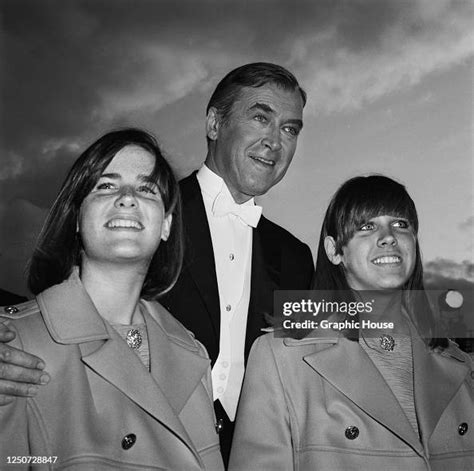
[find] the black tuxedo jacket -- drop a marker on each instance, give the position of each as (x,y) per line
(279,261)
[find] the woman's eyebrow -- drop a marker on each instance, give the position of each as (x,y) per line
(146,178)
(114,176)
(117,176)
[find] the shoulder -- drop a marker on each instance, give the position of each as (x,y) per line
(270,230)
(453,351)
(285,349)
(26,320)
(174,330)
(19,311)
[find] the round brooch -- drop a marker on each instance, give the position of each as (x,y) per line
(134,338)
(387,342)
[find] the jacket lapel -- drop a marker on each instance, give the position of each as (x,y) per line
(348,368)
(431,370)
(265,279)
(199,254)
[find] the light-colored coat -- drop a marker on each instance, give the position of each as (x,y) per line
(300,397)
(100,392)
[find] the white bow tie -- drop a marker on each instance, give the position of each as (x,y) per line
(224,204)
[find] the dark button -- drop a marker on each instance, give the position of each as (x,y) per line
(10,309)
(128,441)
(462,429)
(352,432)
(219,425)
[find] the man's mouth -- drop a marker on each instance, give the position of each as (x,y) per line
(262,160)
(124,224)
(387,260)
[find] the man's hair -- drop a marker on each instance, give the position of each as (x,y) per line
(356,202)
(59,246)
(250,75)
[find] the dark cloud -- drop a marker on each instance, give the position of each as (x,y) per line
(73,69)
(21,224)
(442,268)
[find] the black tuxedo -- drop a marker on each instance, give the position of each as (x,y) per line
(279,261)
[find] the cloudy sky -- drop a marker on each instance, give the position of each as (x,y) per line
(389,82)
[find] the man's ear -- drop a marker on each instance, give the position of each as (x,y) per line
(166,227)
(330,248)
(212,123)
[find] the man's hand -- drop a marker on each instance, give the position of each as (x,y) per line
(20,372)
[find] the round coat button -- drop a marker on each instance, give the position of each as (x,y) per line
(462,429)
(10,309)
(128,441)
(352,432)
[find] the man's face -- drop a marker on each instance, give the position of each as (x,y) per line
(255,145)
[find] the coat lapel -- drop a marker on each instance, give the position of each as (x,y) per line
(120,367)
(265,279)
(187,362)
(199,254)
(431,370)
(348,368)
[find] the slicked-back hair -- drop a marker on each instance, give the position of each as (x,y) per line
(253,75)
(356,202)
(59,246)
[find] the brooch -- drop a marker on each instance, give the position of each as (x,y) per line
(387,342)
(134,338)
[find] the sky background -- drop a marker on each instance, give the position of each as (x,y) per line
(389,83)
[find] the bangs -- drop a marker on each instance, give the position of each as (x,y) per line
(364,198)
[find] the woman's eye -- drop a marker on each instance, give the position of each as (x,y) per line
(147,189)
(401,224)
(367,226)
(105,186)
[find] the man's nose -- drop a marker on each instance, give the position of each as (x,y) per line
(273,139)
(126,198)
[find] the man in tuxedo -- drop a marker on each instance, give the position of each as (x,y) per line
(234,257)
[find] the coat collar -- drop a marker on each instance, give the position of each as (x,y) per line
(177,364)
(70,314)
(345,365)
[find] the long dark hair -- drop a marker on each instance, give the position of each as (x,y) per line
(59,247)
(355,203)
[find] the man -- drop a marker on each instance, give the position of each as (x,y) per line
(234,257)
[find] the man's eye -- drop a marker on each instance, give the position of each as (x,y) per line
(260,117)
(367,226)
(292,130)
(105,186)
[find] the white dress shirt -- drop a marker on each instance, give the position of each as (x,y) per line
(232,245)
